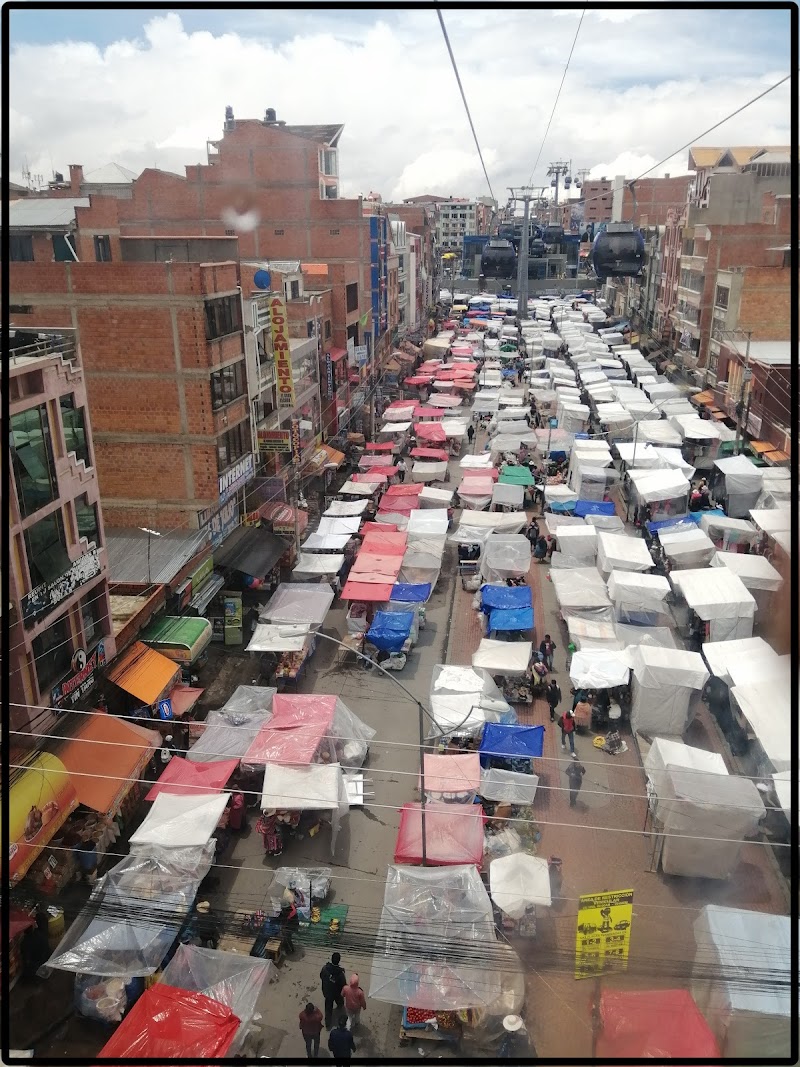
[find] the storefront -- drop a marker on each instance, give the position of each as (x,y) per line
(144,681)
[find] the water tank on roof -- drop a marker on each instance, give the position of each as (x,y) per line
(270,115)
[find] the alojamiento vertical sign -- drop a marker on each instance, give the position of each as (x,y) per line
(283,354)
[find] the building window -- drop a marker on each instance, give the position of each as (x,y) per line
(721,297)
(310,328)
(20,248)
(334,233)
(92,618)
(327,328)
(223,316)
(351,295)
(74,423)
(688,248)
(32,454)
(233,445)
(102,249)
(46,548)
(61,249)
(294,290)
(86,516)
(228,384)
(52,652)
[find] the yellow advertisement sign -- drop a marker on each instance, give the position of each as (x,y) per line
(40,801)
(634,339)
(283,355)
(604,932)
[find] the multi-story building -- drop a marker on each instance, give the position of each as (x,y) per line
(419,219)
(647,202)
(399,248)
(456,219)
(597,195)
(755,387)
(60,615)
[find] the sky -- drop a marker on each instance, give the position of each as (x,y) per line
(147,87)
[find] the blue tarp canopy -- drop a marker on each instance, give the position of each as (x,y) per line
(505,596)
(507,372)
(695,516)
(594,507)
(411,594)
(558,507)
(511,619)
(683,523)
(390,630)
(511,742)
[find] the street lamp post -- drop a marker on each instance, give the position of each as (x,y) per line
(150,535)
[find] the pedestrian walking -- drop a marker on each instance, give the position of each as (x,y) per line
(341,1043)
(354,1001)
(553,694)
(470,433)
(401,469)
(575,773)
(540,549)
(547,649)
(311,1028)
(567,724)
(333,982)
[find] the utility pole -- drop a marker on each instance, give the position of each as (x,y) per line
(526,195)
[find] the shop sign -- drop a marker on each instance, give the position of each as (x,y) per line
(223,522)
(77,684)
(41,600)
(233,618)
(604,932)
(165,711)
(329,375)
(297,446)
(204,571)
(283,355)
(361,353)
(239,474)
(274,441)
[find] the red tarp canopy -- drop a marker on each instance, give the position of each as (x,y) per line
(430,453)
(657,1024)
(430,431)
(398,505)
(377,527)
(373,563)
(400,405)
(429,413)
(374,477)
(459,773)
(385,543)
(183,698)
(363,591)
(373,446)
(380,461)
(453,834)
(418,379)
(404,489)
(166,1022)
(182,777)
(293,734)
(476,487)
(480,472)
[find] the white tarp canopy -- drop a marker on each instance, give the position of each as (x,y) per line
(518,882)
(743,482)
(505,556)
(729,531)
(436,498)
(687,546)
(176,821)
(720,655)
(503,657)
(515,787)
(750,1015)
(659,432)
(454,427)
(317,787)
(476,462)
(772,520)
(423,471)
(491,521)
(618,552)
(665,753)
(578,542)
(630,587)
(663,682)
(269,637)
(298,602)
(766,705)
(719,597)
(317,542)
(651,486)
(639,455)
(463,699)
(316,564)
(599,669)
(357,489)
(561,494)
(761,667)
(579,587)
(426,911)
(756,572)
(395,427)
(693,428)
(342,509)
(428,521)
(338,526)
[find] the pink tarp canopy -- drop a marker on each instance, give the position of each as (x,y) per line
(480,472)
(430,453)
(181,777)
(293,734)
(404,489)
(183,698)
(399,505)
(429,413)
(453,834)
(373,446)
(380,564)
(657,1024)
(430,431)
(377,527)
(464,383)
(365,591)
(375,461)
(418,379)
(400,405)
(385,543)
(452,775)
(476,487)
(376,477)
(429,365)
(445,400)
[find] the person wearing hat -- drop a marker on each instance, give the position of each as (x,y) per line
(288,919)
(167,751)
(206,926)
(516,1043)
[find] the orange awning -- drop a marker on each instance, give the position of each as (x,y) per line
(761,446)
(144,673)
(776,456)
(702,398)
(104,759)
(326,458)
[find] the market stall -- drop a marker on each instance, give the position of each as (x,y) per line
(298,798)
(519,884)
(757,574)
(228,731)
(738,483)
(580,590)
(475,492)
(317,566)
(511,747)
(720,606)
(310,728)
(298,603)
(462,700)
(658,1024)
(453,835)
(659,494)
(616,552)
(509,659)
(754,651)
(640,599)
(662,686)
(453,778)
(686,547)
(505,556)
(577,546)
(729,535)
(765,708)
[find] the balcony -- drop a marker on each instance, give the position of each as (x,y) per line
(36,344)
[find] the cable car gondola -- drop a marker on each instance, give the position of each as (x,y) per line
(499,259)
(618,251)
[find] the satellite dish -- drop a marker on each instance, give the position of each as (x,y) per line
(262,279)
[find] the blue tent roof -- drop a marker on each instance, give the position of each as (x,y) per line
(505,596)
(390,630)
(411,594)
(594,507)
(685,522)
(511,619)
(560,506)
(514,741)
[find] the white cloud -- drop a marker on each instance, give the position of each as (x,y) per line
(626,99)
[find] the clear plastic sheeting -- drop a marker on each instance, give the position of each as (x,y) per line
(463,700)
(510,658)
(505,556)
(519,882)
(180,821)
(226,977)
(318,787)
(453,835)
(307,884)
(477,525)
(634,593)
(578,542)
(286,638)
(663,682)
(665,755)
(508,495)
(428,521)
(750,1015)
(437,908)
(599,669)
(342,509)
(317,565)
(299,603)
(107,940)
(229,732)
(725,531)
(621,553)
(310,727)
(651,486)
(515,787)
(579,588)
(719,597)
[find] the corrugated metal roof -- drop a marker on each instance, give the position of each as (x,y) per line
(701,156)
(127,554)
(328,134)
(46,211)
(110,174)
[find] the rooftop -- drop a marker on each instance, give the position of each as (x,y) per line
(110,174)
(327,134)
(56,212)
(767,353)
(169,552)
(701,157)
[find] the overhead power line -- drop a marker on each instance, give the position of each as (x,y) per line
(464,99)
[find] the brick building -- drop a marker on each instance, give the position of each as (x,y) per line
(58,598)
(597,195)
(650,201)
(766,397)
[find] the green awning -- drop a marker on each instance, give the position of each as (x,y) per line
(517,476)
(175,629)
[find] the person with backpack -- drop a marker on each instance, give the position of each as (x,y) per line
(333,981)
(553,694)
